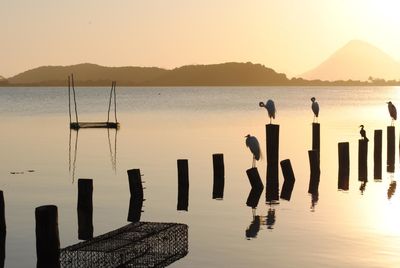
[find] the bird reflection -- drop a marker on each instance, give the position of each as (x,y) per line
(391,190)
(73,151)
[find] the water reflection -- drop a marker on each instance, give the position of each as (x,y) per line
(391,190)
(363,186)
(314,201)
(73,151)
(258,221)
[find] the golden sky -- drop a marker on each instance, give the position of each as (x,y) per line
(289,36)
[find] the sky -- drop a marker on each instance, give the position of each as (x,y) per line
(288,36)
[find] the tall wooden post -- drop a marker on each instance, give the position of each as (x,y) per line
(391,136)
(47,237)
(289,179)
(219,176)
(378,154)
(183,184)
(316,137)
(272,185)
(85,209)
(344,166)
(3,230)
(315,172)
(362,160)
(136,192)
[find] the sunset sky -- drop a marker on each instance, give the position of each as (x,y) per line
(289,36)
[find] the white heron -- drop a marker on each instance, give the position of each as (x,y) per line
(315,109)
(254,147)
(392,111)
(363,133)
(270,106)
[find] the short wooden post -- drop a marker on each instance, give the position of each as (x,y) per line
(289,179)
(257,187)
(85,209)
(378,154)
(136,195)
(391,136)
(362,160)
(316,137)
(219,176)
(344,166)
(272,185)
(183,184)
(3,231)
(47,237)
(254,197)
(315,172)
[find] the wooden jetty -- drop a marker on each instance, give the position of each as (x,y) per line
(140,244)
(78,125)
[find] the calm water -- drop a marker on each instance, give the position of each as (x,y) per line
(161,125)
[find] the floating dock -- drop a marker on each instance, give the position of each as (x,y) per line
(79,125)
(140,244)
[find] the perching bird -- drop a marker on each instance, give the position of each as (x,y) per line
(392,111)
(270,106)
(254,147)
(315,109)
(363,133)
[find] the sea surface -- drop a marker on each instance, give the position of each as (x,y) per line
(354,228)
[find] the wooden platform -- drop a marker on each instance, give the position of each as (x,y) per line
(140,244)
(79,125)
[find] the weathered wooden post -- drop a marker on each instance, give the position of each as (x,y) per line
(257,187)
(183,184)
(316,137)
(219,176)
(362,160)
(378,154)
(315,172)
(3,230)
(136,192)
(344,166)
(289,179)
(272,185)
(47,237)
(391,136)
(85,209)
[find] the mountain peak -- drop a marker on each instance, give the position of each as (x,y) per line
(357,60)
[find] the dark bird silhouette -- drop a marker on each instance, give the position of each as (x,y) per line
(392,111)
(254,147)
(270,106)
(363,133)
(315,109)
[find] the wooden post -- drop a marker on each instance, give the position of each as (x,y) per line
(183,184)
(362,160)
(109,101)
(69,100)
(136,195)
(344,166)
(73,91)
(254,178)
(85,209)
(316,137)
(115,102)
(2,230)
(378,154)
(391,136)
(315,172)
(272,188)
(289,179)
(47,237)
(219,176)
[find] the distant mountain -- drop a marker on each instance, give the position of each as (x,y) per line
(225,74)
(357,60)
(3,81)
(87,74)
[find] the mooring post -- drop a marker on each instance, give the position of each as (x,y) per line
(136,195)
(378,154)
(272,185)
(315,172)
(85,209)
(289,179)
(218,176)
(115,102)
(183,184)
(254,197)
(257,187)
(73,91)
(391,136)
(316,137)
(362,160)
(2,230)
(69,99)
(47,237)
(344,165)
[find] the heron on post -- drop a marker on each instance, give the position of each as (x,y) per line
(363,133)
(392,111)
(254,147)
(315,109)
(270,106)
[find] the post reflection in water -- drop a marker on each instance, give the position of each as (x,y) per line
(258,221)
(363,186)
(72,153)
(391,190)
